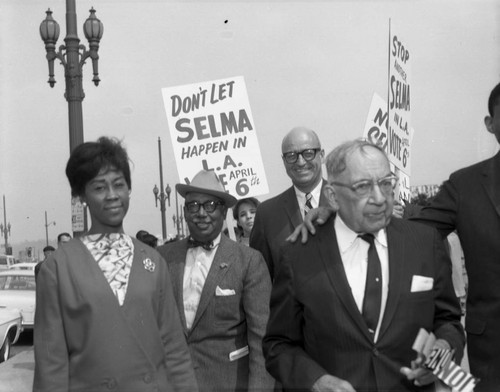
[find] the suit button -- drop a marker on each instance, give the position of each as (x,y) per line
(147,378)
(375,351)
(111,384)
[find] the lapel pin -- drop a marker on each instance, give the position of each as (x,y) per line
(223,265)
(149,265)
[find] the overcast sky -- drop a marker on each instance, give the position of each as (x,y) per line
(312,63)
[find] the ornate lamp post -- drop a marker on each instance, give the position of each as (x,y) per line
(161,195)
(72,56)
(5,229)
(47,229)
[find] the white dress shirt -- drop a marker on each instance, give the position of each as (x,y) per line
(301,197)
(198,263)
(354,253)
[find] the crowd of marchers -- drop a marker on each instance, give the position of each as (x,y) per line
(325,288)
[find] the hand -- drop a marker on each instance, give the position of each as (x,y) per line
(328,383)
(315,216)
(418,373)
(398,210)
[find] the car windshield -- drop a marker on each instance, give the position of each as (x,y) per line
(17,282)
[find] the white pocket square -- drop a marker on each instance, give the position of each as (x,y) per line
(240,353)
(421,283)
(224,292)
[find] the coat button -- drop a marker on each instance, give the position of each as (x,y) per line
(111,384)
(147,378)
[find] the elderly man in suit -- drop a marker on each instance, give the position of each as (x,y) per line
(222,290)
(277,217)
(469,202)
(347,306)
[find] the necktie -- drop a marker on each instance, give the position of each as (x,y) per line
(373,288)
(308,206)
(192,243)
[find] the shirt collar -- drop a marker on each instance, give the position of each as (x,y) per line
(316,194)
(346,237)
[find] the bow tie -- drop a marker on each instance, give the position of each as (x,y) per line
(192,243)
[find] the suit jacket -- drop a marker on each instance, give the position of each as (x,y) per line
(224,324)
(275,220)
(469,202)
(85,341)
(315,327)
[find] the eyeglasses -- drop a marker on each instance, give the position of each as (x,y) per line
(308,154)
(365,187)
(209,206)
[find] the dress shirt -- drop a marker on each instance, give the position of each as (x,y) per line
(354,253)
(301,197)
(198,263)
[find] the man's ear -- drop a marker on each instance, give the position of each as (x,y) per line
(331,196)
(488,122)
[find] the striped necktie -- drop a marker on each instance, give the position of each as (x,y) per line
(308,205)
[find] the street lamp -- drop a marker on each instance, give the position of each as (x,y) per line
(72,56)
(47,229)
(5,229)
(162,195)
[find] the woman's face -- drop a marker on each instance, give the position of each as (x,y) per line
(107,196)
(246,215)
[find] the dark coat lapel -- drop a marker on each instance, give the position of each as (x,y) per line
(291,206)
(491,181)
(397,259)
(220,265)
(330,256)
(177,276)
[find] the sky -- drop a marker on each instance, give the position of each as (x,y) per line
(308,63)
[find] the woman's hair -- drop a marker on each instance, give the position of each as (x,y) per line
(250,200)
(88,159)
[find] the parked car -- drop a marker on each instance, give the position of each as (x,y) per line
(10,329)
(6,261)
(17,291)
(23,266)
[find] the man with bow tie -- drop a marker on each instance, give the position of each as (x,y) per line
(222,290)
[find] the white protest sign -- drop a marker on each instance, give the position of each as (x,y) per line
(375,131)
(399,102)
(211,127)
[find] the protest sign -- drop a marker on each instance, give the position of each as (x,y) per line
(399,108)
(212,128)
(375,131)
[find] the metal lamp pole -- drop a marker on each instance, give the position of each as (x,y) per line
(162,195)
(47,229)
(5,229)
(72,56)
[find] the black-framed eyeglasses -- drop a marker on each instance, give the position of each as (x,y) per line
(365,187)
(308,154)
(209,206)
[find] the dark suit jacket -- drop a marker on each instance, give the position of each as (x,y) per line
(85,341)
(315,327)
(469,202)
(224,324)
(275,220)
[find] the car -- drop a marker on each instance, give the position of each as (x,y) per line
(10,329)
(18,291)
(23,266)
(6,261)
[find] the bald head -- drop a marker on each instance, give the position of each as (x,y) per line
(299,137)
(305,173)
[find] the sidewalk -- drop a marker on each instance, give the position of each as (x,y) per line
(16,374)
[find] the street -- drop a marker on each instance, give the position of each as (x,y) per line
(24,343)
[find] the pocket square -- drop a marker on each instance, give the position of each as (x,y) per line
(421,283)
(224,292)
(240,353)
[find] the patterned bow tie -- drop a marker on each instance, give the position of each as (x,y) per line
(192,243)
